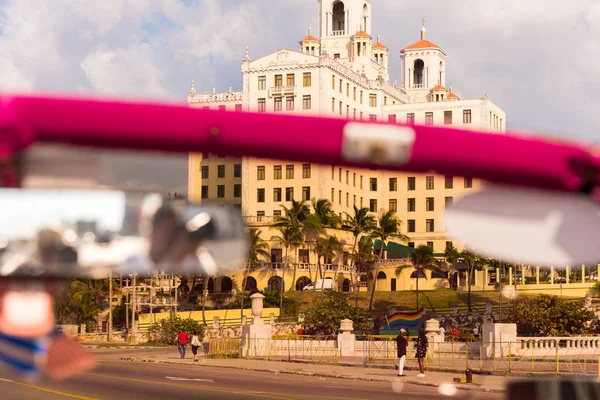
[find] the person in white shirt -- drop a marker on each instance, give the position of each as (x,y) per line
(195,345)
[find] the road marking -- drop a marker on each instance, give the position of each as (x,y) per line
(174,378)
(43,389)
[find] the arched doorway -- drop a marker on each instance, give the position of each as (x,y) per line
(302,282)
(275,284)
(211,285)
(199,287)
(419,67)
(418,273)
(249,284)
(346,285)
(226,284)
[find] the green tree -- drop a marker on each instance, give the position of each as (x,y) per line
(292,230)
(388,227)
(324,316)
(473,262)
(422,259)
(546,315)
(289,237)
(362,259)
(322,218)
(258,248)
(451,256)
(362,223)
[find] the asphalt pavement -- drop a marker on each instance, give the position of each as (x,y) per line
(115,379)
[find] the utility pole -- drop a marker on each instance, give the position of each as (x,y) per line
(500,290)
(133,308)
(127,313)
(110,315)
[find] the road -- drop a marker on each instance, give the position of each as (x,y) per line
(131,380)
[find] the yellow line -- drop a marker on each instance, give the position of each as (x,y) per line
(207,388)
(73,396)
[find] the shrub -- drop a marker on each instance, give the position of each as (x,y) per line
(165,331)
(324,316)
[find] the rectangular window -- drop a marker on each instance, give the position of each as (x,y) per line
(260,173)
(222,108)
(260,195)
(277,172)
(340,197)
(332,195)
(205,172)
(468,183)
(393,184)
(237,170)
(385,100)
(373,205)
(411,244)
(354,179)
(411,225)
(449,201)
(361,181)
(306,102)
(205,191)
(361,97)
(262,83)
(291,80)
(278,104)
(289,103)
(373,117)
(340,108)
(238,108)
(332,172)
(373,184)
(277,194)
(372,100)
(347,199)
(393,205)
(354,116)
(354,200)
(307,79)
(221,171)
(428,118)
(221,191)
(260,215)
(336,56)
(429,204)
(411,183)
(348,89)
(262,105)
(289,194)
(333,82)
(449,181)
(392,118)
(277,213)
(449,245)
(289,172)
(410,119)
(411,205)
(361,202)
(354,94)
(429,225)
(447,117)
(278,80)
(348,111)
(430,245)
(237,190)
(306,170)
(333,104)
(347,177)
(361,115)
(429,183)
(341,84)
(306,193)
(466,116)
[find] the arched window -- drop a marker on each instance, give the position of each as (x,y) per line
(346,285)
(339,16)
(226,284)
(420,273)
(249,284)
(381,275)
(419,67)
(211,285)
(301,282)
(275,284)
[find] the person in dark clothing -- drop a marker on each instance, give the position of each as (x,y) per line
(421,352)
(401,345)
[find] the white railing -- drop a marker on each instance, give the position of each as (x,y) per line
(214,97)
(338,33)
(418,86)
(281,90)
(394,91)
(590,343)
(259,220)
(307,267)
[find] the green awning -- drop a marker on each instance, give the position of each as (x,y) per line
(394,250)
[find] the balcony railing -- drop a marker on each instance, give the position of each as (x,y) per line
(259,220)
(418,86)
(307,267)
(338,33)
(281,90)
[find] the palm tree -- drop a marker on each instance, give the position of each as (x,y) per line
(421,259)
(329,246)
(473,261)
(361,223)
(388,227)
(451,255)
(289,237)
(322,218)
(257,247)
(293,220)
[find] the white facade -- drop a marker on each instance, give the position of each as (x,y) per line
(344,74)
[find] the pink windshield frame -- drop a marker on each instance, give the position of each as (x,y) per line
(505,159)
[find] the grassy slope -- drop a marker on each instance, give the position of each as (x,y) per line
(442,299)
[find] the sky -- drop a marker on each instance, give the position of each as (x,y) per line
(537,59)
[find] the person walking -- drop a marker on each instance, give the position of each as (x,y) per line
(401,344)
(476,332)
(182,339)
(195,345)
(421,352)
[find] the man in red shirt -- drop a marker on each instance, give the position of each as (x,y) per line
(182,339)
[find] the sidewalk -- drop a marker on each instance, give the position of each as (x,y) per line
(482,383)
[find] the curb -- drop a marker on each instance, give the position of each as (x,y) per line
(323,375)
